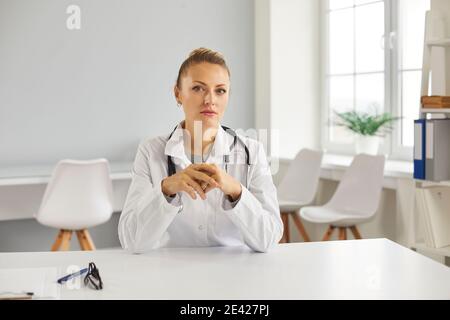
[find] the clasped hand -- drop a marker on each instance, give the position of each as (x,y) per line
(200,179)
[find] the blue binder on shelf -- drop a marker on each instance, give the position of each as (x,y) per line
(419,149)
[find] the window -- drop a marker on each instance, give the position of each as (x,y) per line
(373,56)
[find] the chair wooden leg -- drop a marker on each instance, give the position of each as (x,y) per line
(66,236)
(343,233)
(285,219)
(355,232)
(81,240)
(300,227)
(89,240)
(328,234)
(58,241)
(85,240)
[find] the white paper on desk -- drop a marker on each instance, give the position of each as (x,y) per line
(40,281)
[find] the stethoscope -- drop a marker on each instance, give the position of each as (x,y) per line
(226,158)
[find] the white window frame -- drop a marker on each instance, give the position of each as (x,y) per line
(391,144)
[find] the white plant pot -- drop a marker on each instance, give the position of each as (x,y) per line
(367,144)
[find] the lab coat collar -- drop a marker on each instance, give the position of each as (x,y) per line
(175,145)
(222,143)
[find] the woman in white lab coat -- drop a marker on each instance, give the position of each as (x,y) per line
(202,184)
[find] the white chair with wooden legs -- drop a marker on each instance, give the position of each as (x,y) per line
(79,196)
(355,200)
(298,188)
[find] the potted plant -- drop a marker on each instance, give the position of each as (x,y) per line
(368,127)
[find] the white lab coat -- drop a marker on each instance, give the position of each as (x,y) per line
(151,220)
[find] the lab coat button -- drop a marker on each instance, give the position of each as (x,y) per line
(200,227)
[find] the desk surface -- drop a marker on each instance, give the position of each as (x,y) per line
(352,269)
(120,171)
(41,174)
(334,166)
(392,168)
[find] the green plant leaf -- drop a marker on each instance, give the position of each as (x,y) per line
(366,124)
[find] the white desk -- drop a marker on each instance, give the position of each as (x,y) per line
(353,269)
(334,166)
(22,188)
(16,176)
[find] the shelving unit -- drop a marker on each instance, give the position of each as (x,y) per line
(419,245)
(439,43)
(430,110)
(425,111)
(431,42)
(444,252)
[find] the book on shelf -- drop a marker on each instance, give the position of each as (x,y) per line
(431,149)
(437,150)
(435,102)
(419,149)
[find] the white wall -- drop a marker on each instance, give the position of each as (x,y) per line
(97,91)
(295,76)
(289,74)
(262,66)
(125,57)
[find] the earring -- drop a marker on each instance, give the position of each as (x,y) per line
(178,104)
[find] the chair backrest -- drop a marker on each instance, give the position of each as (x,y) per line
(360,188)
(79,193)
(302,177)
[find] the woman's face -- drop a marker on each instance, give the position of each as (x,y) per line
(204,94)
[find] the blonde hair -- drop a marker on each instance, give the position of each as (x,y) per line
(200,55)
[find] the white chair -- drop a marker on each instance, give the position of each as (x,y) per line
(298,188)
(355,200)
(79,196)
